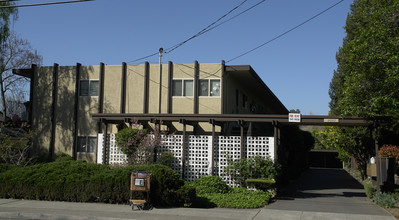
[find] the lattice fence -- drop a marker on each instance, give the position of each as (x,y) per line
(198,153)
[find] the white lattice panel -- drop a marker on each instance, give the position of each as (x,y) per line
(173,144)
(260,146)
(229,148)
(198,153)
(197,157)
(115,154)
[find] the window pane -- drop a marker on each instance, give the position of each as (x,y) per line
(84,88)
(92,145)
(176,88)
(82,147)
(203,87)
(188,87)
(94,85)
(215,87)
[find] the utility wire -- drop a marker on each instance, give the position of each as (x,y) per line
(281,35)
(170,49)
(203,31)
(42,4)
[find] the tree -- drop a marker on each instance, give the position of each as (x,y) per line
(15,53)
(5,14)
(366,81)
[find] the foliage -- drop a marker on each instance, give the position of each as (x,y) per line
(166,158)
(349,142)
(236,198)
(261,184)
(129,140)
(5,14)
(370,190)
(389,151)
(253,167)
(385,200)
(15,53)
(141,146)
(210,184)
(366,82)
(15,146)
(78,181)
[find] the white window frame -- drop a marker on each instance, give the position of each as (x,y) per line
(87,144)
(183,88)
(88,92)
(209,88)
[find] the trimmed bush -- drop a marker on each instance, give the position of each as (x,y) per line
(210,184)
(370,190)
(261,184)
(385,200)
(78,181)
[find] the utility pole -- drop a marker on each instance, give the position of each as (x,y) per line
(160,79)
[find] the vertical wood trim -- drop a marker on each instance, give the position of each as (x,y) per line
(146,85)
(53,110)
(101,95)
(76,112)
(105,144)
(213,149)
(196,79)
(123,88)
(222,89)
(170,78)
(32,92)
(241,123)
(183,151)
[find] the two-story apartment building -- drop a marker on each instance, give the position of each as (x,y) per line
(63,100)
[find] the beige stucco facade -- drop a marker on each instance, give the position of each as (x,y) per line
(66,120)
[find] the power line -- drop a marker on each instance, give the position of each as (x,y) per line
(203,31)
(42,4)
(281,35)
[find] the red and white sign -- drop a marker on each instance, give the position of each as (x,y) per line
(294,117)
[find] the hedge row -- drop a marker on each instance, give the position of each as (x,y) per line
(78,181)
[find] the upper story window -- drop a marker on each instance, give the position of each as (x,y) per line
(182,87)
(209,87)
(89,87)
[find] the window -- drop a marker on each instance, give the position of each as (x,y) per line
(182,87)
(89,87)
(209,87)
(87,144)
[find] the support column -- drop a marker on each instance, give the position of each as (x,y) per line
(183,150)
(53,110)
(123,88)
(146,85)
(222,84)
(105,144)
(32,92)
(101,95)
(276,140)
(76,111)
(195,84)
(170,78)
(242,123)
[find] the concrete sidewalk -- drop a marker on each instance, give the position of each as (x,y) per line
(30,209)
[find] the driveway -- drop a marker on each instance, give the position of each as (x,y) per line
(326,190)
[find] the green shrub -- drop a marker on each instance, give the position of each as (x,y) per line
(253,167)
(4,167)
(78,181)
(210,184)
(261,184)
(238,198)
(370,190)
(385,200)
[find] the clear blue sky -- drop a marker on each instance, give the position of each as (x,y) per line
(297,67)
